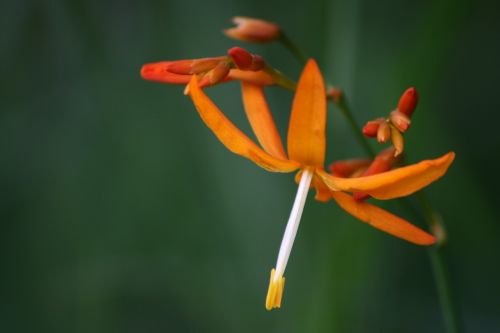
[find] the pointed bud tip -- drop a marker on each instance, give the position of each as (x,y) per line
(408,101)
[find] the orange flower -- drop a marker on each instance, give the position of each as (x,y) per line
(306,153)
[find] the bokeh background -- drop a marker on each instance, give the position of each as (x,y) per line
(120,211)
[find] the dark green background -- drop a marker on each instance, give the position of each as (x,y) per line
(120,211)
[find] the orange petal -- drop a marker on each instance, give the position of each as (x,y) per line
(306,133)
(261,120)
(235,140)
(392,184)
(383,220)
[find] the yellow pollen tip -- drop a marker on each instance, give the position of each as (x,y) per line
(275,291)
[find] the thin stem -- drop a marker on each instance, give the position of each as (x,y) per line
(344,108)
(281,79)
(294,49)
(436,254)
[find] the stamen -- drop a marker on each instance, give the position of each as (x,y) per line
(277,281)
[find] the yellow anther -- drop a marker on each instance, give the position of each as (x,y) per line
(275,291)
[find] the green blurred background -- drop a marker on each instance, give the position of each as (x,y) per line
(121,212)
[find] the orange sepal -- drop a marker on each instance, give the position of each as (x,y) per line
(383,220)
(235,140)
(261,120)
(306,133)
(395,183)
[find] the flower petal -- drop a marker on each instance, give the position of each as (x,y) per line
(261,120)
(383,220)
(306,133)
(393,184)
(235,140)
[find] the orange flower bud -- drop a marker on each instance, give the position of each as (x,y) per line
(397,141)
(253,30)
(219,73)
(159,72)
(383,132)
(400,120)
(371,128)
(408,101)
(244,60)
(383,162)
(348,168)
(194,66)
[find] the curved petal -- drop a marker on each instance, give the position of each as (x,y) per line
(393,184)
(235,140)
(383,220)
(261,120)
(306,133)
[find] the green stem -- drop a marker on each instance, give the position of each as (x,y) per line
(294,49)
(344,109)
(436,254)
(281,79)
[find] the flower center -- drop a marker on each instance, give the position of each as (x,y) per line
(277,281)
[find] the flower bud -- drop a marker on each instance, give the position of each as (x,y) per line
(194,66)
(348,168)
(383,132)
(397,141)
(245,60)
(371,128)
(383,162)
(408,102)
(253,30)
(219,73)
(400,120)
(334,94)
(241,57)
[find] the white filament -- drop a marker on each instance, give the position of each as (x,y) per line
(293,223)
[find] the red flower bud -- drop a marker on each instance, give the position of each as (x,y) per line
(241,57)
(408,101)
(348,168)
(383,162)
(371,128)
(246,61)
